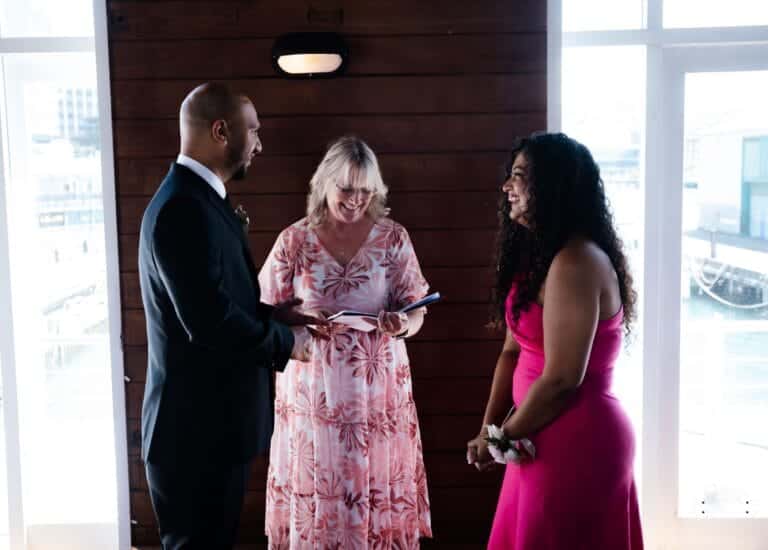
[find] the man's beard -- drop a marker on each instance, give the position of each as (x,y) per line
(240,173)
(236,160)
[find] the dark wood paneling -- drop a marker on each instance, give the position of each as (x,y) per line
(456,321)
(373,55)
(445,248)
(501,93)
(386,134)
(434,396)
(440,90)
(174,19)
(450,469)
(450,433)
(130,292)
(426,210)
(459,359)
(133,428)
(456,284)
(457,171)
(444,469)
(135,362)
(439,433)
(460,514)
(462,499)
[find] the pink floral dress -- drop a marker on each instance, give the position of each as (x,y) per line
(346,468)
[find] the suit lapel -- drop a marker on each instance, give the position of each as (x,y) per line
(225,210)
(227,213)
(214,200)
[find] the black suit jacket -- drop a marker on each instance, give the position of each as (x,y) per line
(212,345)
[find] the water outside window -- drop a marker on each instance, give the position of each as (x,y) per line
(724,292)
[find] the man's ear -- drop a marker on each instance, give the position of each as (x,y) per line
(219,131)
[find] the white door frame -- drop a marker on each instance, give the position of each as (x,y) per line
(109,198)
(670,54)
(12,475)
(667,68)
(98,44)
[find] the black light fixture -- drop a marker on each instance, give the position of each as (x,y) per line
(309,55)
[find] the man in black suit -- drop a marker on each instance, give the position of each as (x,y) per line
(213,347)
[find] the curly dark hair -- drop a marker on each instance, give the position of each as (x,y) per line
(566,198)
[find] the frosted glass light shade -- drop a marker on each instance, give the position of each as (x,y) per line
(309,63)
(309,55)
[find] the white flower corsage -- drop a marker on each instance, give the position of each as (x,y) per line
(505,450)
(242,215)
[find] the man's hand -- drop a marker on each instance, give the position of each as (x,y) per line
(302,344)
(286,313)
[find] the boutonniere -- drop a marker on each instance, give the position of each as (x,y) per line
(242,215)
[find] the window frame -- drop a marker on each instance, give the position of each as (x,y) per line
(97,44)
(670,53)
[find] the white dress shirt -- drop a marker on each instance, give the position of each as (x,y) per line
(204,172)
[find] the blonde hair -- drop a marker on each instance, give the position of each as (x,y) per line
(347,157)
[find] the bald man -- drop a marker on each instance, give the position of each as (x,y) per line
(213,346)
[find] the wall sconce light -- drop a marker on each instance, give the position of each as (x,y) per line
(309,55)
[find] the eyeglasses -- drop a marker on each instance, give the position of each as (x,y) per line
(349,192)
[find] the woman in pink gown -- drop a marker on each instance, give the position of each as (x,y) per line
(346,468)
(565,294)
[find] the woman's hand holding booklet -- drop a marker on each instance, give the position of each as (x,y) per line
(366,322)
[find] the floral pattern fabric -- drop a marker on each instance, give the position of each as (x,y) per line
(346,468)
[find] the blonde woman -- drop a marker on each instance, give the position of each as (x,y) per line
(346,467)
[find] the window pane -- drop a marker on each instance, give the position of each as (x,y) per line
(734,13)
(603,15)
(58,283)
(46,18)
(603,107)
(724,340)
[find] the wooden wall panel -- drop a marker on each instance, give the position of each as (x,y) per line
(496,93)
(419,210)
(179,19)
(436,248)
(456,284)
(379,55)
(455,171)
(439,89)
(431,133)
(454,321)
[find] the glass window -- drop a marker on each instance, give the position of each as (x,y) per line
(724,314)
(31,18)
(709,13)
(603,107)
(58,285)
(754,212)
(603,15)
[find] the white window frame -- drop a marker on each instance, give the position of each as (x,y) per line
(98,45)
(670,54)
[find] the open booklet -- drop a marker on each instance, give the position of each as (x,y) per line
(359,320)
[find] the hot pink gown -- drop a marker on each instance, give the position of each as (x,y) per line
(579,493)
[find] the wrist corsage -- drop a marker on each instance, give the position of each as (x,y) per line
(505,450)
